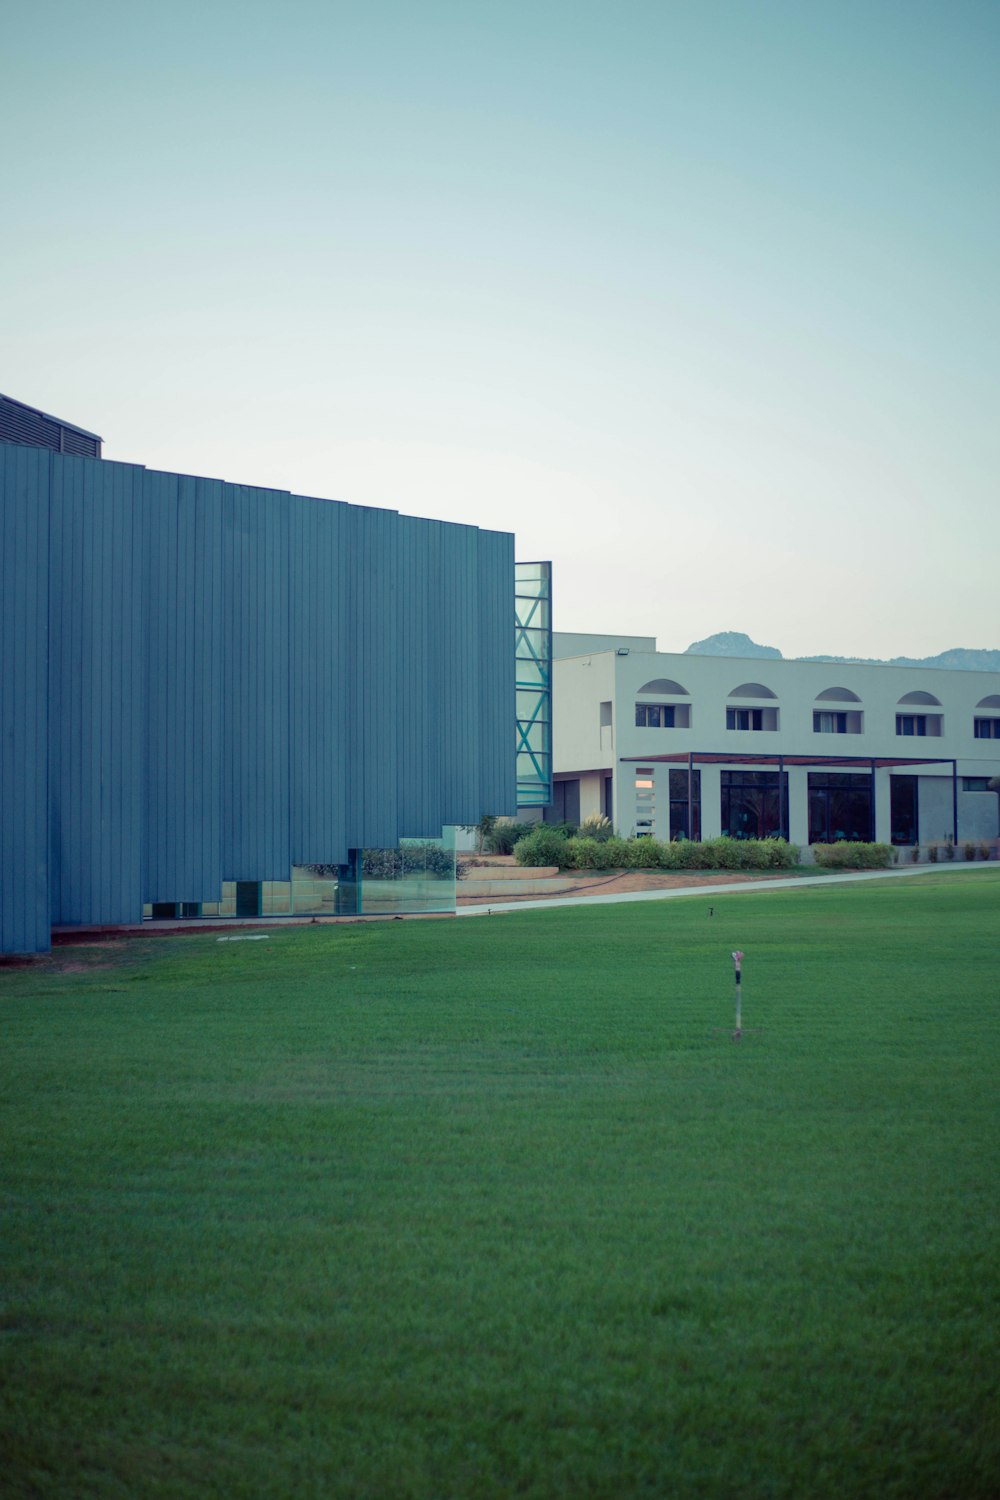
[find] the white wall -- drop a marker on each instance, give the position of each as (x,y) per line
(581,683)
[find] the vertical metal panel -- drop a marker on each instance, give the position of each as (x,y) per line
(96,691)
(371,646)
(418,807)
(457,654)
(255,682)
(183,665)
(24,607)
(496,698)
(319,667)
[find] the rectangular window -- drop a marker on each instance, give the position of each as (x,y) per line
(903,809)
(988,729)
(975,783)
(911,724)
(654,715)
(754,804)
(840,807)
(829,723)
(685,819)
(744,718)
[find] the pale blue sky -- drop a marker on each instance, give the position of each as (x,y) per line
(700,300)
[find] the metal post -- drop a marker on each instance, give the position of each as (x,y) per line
(737,961)
(871,802)
(954,802)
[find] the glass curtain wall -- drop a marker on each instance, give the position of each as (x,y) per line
(903,810)
(685,818)
(533,652)
(419,876)
(754,804)
(840,807)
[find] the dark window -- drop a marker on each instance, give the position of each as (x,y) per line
(754,804)
(826,723)
(988,729)
(248,898)
(903,809)
(685,818)
(975,783)
(840,808)
(609,798)
(911,723)
(745,718)
(654,715)
(565,805)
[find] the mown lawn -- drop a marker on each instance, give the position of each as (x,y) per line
(490,1207)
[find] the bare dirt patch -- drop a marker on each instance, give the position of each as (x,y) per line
(626,881)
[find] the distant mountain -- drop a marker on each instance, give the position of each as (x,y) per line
(731,643)
(960,658)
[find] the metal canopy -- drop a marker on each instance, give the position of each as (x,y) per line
(871,763)
(721,758)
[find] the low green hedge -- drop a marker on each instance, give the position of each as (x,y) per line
(547,846)
(854,856)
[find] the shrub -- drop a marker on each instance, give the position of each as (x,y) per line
(616,852)
(969,850)
(767,854)
(586,854)
(543,846)
(932,853)
(597,826)
(715,854)
(848,855)
(643,854)
(984,851)
(504,835)
(915,853)
(949,850)
(414,859)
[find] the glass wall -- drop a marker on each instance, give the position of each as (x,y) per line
(685,818)
(903,809)
(533,651)
(419,876)
(840,807)
(754,804)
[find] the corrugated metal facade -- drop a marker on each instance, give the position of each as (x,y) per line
(223,681)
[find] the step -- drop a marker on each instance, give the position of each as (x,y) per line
(530,885)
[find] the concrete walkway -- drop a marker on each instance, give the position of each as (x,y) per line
(814,882)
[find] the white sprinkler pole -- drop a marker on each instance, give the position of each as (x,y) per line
(737,961)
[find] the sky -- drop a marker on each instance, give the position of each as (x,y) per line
(698,299)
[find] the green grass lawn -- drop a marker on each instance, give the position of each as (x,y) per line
(490,1207)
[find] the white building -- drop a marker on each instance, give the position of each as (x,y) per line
(675,745)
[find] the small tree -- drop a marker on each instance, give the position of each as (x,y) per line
(482,830)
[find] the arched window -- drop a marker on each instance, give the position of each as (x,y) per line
(987,726)
(752,718)
(919,724)
(662,714)
(920,697)
(837,721)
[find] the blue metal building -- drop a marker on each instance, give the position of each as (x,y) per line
(204,682)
